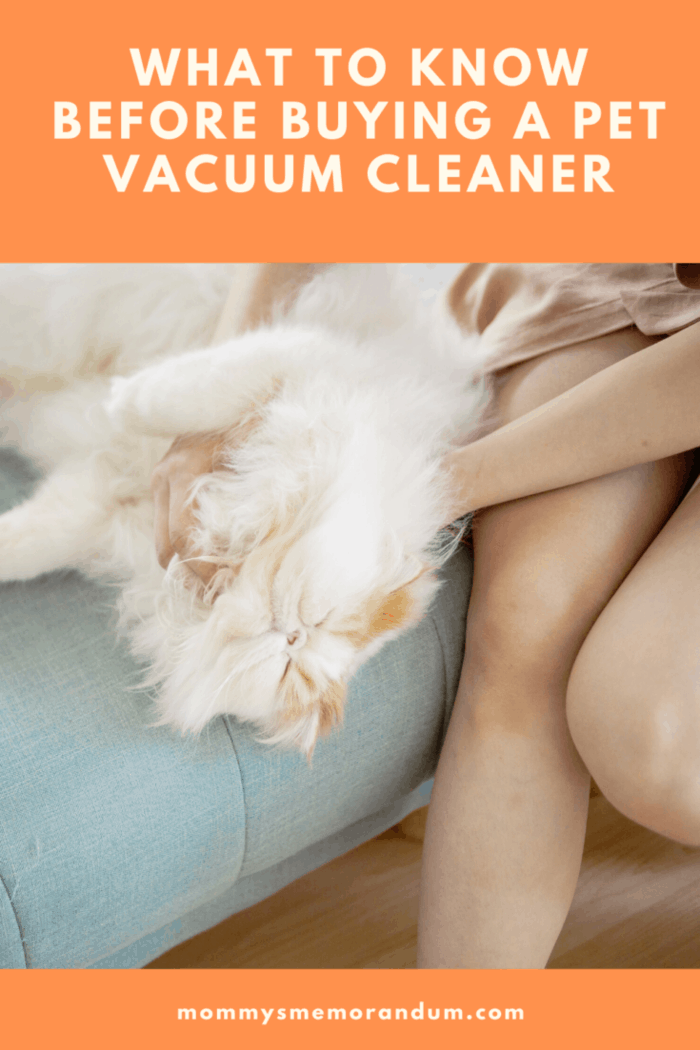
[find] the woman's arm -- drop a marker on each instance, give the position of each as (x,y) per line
(643,408)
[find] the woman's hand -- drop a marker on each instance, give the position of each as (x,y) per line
(187,459)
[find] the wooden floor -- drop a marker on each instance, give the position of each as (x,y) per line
(637,905)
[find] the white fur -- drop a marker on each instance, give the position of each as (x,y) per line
(336,415)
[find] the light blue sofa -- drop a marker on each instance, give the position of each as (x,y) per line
(118,840)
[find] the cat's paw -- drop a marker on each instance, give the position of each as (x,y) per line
(122,405)
(17,548)
(145,403)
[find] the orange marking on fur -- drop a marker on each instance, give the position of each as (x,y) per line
(301,696)
(306,678)
(295,688)
(331,707)
(385,612)
(393,612)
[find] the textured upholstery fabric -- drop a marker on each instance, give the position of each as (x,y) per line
(118,840)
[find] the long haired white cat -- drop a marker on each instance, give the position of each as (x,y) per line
(323,515)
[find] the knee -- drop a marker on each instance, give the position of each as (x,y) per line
(535,633)
(519,652)
(639,736)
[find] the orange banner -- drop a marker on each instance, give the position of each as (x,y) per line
(400,130)
(309,1008)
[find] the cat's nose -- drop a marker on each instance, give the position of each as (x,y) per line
(296,639)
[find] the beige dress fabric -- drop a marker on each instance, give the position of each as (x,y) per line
(520,310)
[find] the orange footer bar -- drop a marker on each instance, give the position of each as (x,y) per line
(130,1009)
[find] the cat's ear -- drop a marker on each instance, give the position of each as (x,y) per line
(259,293)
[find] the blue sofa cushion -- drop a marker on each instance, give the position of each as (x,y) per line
(118,839)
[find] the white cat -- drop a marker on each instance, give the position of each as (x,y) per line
(323,517)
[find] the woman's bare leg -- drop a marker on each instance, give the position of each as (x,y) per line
(634,692)
(507,820)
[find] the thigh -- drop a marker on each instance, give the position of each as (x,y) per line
(634,696)
(546,565)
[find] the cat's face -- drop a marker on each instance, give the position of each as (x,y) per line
(284,635)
